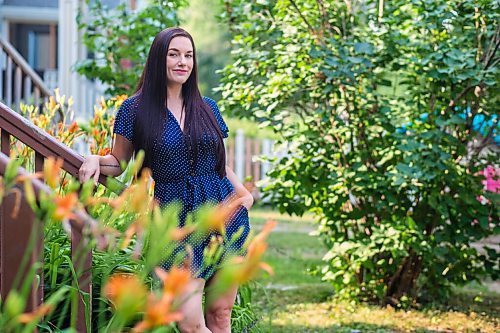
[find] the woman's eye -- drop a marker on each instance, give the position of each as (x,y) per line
(172,55)
(189,56)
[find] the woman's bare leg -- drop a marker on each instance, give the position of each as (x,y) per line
(218,309)
(191,308)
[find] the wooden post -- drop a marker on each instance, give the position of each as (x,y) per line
(230,156)
(81,256)
(8,82)
(21,247)
(240,154)
(248,158)
(27,89)
(2,75)
(36,96)
(18,84)
(52,45)
(266,151)
(256,164)
(38,162)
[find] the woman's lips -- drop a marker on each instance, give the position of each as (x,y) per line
(180,71)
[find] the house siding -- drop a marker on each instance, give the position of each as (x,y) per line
(51,3)
(32,3)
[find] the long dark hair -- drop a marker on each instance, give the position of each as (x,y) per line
(152,96)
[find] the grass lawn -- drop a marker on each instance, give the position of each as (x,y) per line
(293,301)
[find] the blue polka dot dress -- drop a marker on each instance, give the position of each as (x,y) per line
(179,178)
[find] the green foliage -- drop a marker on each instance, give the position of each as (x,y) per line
(244,317)
(212,48)
(118,39)
(250,128)
(392,172)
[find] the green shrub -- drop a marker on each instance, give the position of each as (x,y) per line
(377,102)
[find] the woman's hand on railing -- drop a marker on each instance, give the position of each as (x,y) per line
(247,201)
(90,168)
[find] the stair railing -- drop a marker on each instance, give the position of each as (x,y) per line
(18,81)
(15,228)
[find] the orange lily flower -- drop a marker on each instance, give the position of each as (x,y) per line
(51,103)
(264,233)
(2,187)
(175,281)
(138,193)
(114,203)
(29,177)
(135,197)
(158,313)
(51,170)
(105,236)
(129,233)
(73,127)
(239,270)
(41,311)
(104,151)
(248,266)
(178,234)
(65,206)
(119,99)
(126,292)
(220,214)
(136,228)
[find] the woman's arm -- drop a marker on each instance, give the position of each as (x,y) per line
(108,165)
(241,191)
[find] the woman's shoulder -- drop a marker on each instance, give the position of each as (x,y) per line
(130,102)
(129,106)
(212,103)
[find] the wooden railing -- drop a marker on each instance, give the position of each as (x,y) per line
(15,228)
(18,81)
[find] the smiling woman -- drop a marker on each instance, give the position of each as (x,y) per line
(182,135)
(179,60)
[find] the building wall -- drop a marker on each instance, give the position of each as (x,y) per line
(51,3)
(32,3)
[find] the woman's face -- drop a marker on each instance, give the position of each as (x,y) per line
(179,60)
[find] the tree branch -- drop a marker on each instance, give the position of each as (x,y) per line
(490,55)
(459,97)
(309,26)
(484,141)
(325,24)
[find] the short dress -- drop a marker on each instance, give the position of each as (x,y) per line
(179,178)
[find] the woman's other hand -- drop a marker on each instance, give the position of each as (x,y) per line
(247,201)
(243,197)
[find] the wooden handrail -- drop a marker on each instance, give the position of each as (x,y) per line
(43,143)
(14,227)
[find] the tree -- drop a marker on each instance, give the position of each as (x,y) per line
(118,40)
(377,102)
(212,42)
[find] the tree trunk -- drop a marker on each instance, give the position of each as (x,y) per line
(403,282)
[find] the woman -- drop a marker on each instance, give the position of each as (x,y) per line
(182,136)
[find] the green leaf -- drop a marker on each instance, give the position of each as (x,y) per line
(365,48)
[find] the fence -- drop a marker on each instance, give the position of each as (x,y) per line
(243,155)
